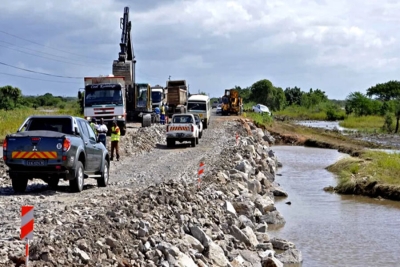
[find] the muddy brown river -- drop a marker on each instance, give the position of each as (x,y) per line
(329,229)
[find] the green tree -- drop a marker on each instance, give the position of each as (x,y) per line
(359,104)
(293,95)
(386,92)
(9,94)
(313,98)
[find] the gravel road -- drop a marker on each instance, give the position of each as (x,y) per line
(152,213)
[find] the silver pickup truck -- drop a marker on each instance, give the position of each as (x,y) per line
(182,127)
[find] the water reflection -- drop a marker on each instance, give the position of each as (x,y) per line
(329,229)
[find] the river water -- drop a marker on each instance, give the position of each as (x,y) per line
(329,229)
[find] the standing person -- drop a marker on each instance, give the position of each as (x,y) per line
(115,134)
(166,113)
(157,111)
(94,125)
(102,131)
(162,120)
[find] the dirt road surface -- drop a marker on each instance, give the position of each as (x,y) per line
(153,213)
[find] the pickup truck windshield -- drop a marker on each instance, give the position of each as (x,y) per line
(183,119)
(103,96)
(62,125)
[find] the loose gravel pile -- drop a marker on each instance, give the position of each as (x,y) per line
(152,215)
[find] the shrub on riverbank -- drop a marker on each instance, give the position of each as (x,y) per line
(373,173)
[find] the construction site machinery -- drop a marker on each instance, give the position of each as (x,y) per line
(125,67)
(104,98)
(157,96)
(231,102)
(143,110)
(177,96)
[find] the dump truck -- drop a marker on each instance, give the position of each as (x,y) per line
(104,98)
(177,96)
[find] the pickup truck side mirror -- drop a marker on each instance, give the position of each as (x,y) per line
(76,131)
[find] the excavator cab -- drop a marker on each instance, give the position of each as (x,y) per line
(143,101)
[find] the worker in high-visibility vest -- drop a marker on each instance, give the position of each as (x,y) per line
(115,135)
(93,124)
(162,118)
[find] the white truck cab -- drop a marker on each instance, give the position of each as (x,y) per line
(182,127)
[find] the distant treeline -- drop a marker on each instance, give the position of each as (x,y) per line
(12,98)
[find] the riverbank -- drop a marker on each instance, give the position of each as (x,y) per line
(367,173)
(373,173)
(288,133)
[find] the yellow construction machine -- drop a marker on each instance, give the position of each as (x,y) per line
(232,103)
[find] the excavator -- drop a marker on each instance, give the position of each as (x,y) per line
(124,66)
(231,102)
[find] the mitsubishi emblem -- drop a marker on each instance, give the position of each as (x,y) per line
(34,148)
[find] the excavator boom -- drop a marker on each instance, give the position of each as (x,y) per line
(126,44)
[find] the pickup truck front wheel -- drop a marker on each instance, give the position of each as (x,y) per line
(170,142)
(103,180)
(76,184)
(193,142)
(19,183)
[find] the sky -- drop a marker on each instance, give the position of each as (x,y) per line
(338,46)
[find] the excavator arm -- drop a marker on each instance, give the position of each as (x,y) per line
(126,44)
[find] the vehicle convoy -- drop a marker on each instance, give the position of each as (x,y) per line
(157,96)
(53,148)
(177,96)
(181,128)
(231,102)
(199,124)
(200,104)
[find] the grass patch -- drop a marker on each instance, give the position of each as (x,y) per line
(263,119)
(323,111)
(363,123)
(302,113)
(249,105)
(376,166)
(12,119)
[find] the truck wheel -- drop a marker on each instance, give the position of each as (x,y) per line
(200,134)
(19,183)
(197,140)
(193,142)
(103,180)
(76,184)
(146,120)
(205,124)
(123,131)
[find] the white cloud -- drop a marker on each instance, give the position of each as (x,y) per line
(219,43)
